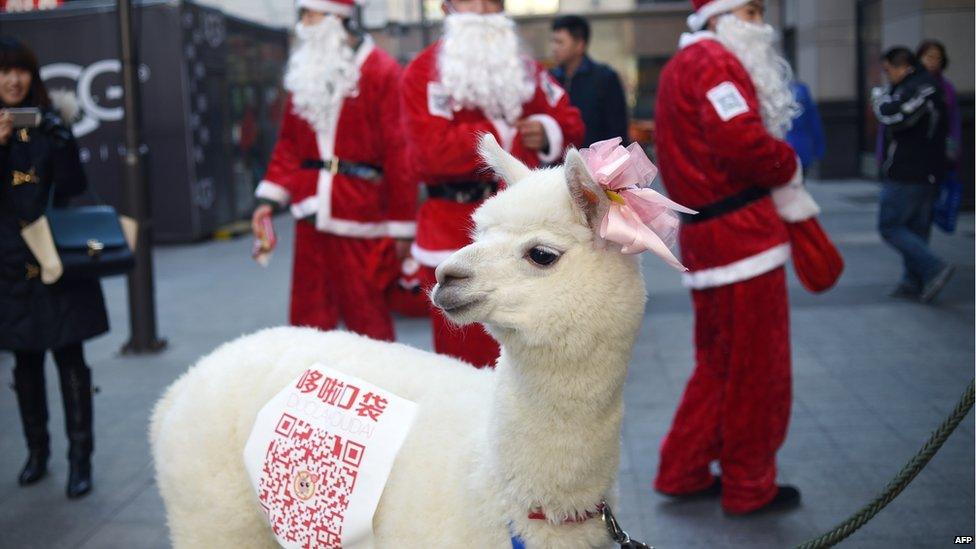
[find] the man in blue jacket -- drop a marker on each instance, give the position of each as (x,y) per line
(594,88)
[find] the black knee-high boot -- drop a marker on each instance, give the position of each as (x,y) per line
(76,392)
(32,401)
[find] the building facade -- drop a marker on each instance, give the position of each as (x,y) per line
(834,46)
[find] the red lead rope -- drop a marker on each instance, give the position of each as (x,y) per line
(538,514)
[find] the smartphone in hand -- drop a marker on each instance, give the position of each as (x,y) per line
(24,117)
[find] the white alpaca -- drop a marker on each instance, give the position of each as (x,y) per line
(541,431)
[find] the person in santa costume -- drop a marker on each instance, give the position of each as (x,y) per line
(723,107)
(339,165)
(474,80)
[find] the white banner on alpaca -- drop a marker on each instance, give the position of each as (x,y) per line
(319,455)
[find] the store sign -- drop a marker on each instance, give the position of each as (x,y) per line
(28,5)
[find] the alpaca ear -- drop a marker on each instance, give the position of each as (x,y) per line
(588,198)
(500,161)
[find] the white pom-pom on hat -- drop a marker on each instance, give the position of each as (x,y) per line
(706,9)
(342,8)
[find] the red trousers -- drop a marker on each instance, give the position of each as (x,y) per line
(469,343)
(736,406)
(330,281)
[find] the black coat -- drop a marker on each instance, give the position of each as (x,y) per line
(35,316)
(595,90)
(915,128)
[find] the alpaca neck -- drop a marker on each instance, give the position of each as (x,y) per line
(554,432)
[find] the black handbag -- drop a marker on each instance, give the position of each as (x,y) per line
(90,241)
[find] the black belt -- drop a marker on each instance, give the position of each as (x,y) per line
(354,169)
(726,205)
(463,192)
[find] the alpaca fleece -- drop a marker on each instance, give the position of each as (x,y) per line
(541,431)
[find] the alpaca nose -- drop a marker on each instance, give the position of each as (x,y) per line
(448,273)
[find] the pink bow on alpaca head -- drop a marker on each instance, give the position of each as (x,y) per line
(639,219)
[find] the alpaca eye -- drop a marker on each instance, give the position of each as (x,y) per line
(543,256)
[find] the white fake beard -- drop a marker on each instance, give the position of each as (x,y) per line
(771,74)
(481,66)
(321,72)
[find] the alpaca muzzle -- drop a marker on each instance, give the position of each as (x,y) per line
(453,294)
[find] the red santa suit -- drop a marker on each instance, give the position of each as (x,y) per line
(342,217)
(716,156)
(442,144)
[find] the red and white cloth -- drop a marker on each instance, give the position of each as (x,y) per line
(706,9)
(712,144)
(443,144)
(367,131)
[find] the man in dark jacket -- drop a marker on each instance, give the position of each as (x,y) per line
(594,88)
(913,113)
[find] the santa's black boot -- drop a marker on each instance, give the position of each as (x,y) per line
(32,401)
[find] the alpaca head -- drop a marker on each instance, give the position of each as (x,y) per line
(537,273)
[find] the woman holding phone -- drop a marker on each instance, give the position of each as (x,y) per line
(39,165)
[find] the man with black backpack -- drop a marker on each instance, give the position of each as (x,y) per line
(913,113)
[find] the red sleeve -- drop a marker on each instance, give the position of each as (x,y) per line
(279,179)
(562,121)
(440,145)
(734,130)
(401,185)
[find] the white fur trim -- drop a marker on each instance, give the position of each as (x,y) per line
(555,135)
(401,229)
(326,141)
(800,206)
(364,50)
(689,38)
(744,269)
(305,208)
(793,201)
(429,258)
(506,133)
(327,6)
(273,191)
(352,229)
(699,19)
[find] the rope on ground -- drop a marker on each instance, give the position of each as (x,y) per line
(901,480)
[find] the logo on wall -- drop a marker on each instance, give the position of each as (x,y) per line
(97,88)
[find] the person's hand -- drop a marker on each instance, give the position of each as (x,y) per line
(261,213)
(402,248)
(6,127)
(533,134)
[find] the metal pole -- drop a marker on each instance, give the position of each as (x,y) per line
(424,28)
(135,198)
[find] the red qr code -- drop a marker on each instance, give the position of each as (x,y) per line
(306,481)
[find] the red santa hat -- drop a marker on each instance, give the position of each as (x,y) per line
(706,9)
(342,8)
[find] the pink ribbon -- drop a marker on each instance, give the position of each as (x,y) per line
(640,219)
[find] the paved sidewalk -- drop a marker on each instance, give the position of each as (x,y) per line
(872,377)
